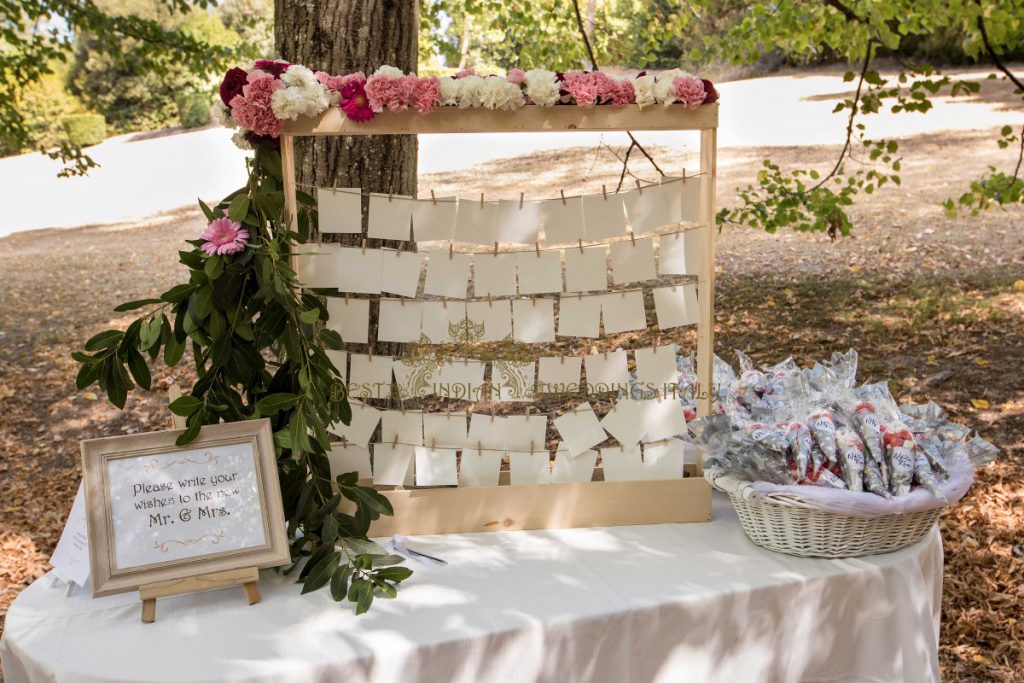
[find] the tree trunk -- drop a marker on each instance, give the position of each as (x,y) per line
(340,37)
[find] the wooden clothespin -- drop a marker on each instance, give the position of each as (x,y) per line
(495,248)
(562,192)
(604,191)
(632,237)
(433,444)
(684,175)
(639,188)
(490,302)
(536,245)
(481,200)
(364,246)
(391,192)
(451,251)
(494,412)
(480,447)
(581,245)
(395,442)
(522,196)
(433,198)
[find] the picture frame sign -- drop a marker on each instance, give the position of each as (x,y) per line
(158,512)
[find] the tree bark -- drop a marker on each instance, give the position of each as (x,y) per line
(341,37)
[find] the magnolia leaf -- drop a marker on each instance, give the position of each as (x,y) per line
(274,403)
(239,207)
(185,405)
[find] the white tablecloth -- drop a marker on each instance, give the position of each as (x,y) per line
(673,602)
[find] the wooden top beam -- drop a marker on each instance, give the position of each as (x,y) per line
(529,119)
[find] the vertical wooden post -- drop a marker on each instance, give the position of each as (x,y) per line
(291,204)
(706,277)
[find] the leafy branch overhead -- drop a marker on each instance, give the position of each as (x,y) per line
(259,347)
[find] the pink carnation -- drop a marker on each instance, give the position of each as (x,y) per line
(224,236)
(426,94)
(581,86)
(623,93)
(689,91)
(389,93)
(336,83)
(252,108)
(464,72)
(517,76)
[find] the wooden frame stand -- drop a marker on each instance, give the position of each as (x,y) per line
(597,503)
(248,578)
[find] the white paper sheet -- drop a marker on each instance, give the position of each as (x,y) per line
(664,460)
(488,432)
(339,210)
(359,270)
(603,217)
(579,316)
(586,270)
(626,422)
(656,367)
(369,376)
(664,418)
(559,374)
(399,321)
(676,306)
(400,272)
(570,470)
(623,311)
(690,194)
(390,217)
(526,432)
(398,426)
(562,220)
(436,467)
(580,429)
(393,465)
(444,430)
(533,320)
(606,372)
(433,220)
(460,379)
(359,430)
(529,468)
(494,274)
(447,274)
(633,261)
(479,468)
(414,378)
(350,318)
(650,208)
(340,361)
(622,464)
(491,319)
(518,224)
(513,381)
(539,273)
(71,556)
(679,253)
(476,222)
(317,265)
(442,320)
(346,458)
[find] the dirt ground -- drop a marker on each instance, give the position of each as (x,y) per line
(934,304)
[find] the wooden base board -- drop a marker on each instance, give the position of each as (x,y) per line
(550,506)
(247,577)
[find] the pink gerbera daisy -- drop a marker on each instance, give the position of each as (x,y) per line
(224,236)
(355,103)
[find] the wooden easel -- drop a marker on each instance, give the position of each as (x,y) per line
(246,577)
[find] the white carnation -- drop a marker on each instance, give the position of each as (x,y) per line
(664,88)
(299,76)
(541,87)
(497,93)
(221,115)
(307,99)
(389,72)
(643,89)
(239,139)
(450,90)
(469,91)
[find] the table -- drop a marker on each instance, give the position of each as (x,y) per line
(672,602)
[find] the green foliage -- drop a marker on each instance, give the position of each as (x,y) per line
(43,106)
(193,109)
(259,346)
(84,130)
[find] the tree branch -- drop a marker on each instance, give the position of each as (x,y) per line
(633,142)
(848,13)
(992,53)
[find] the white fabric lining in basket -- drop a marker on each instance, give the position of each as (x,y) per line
(790,519)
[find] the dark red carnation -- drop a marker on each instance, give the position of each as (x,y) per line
(272,67)
(234,81)
(711,95)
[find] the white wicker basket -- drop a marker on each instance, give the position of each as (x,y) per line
(791,526)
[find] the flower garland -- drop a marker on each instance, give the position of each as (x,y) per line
(259,97)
